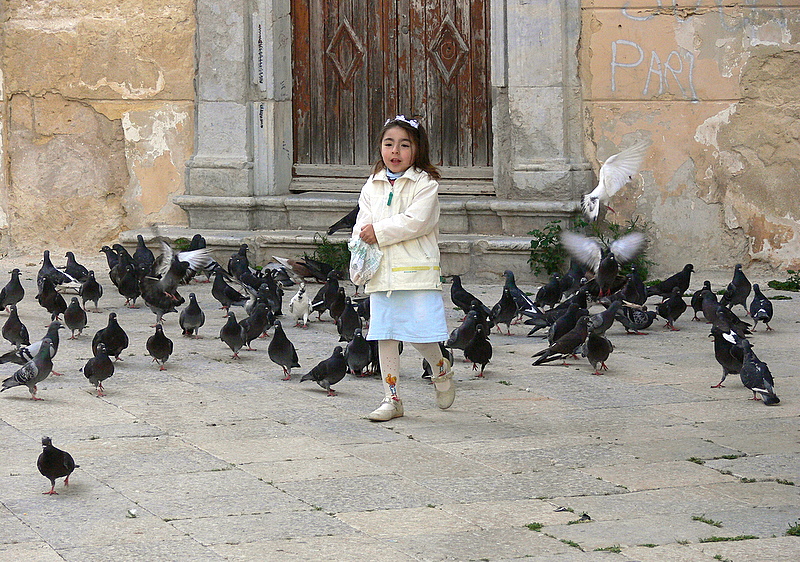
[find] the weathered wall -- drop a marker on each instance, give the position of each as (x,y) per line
(97,120)
(718,91)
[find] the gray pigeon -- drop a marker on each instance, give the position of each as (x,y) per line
(233,334)
(159,346)
(550,293)
(760,308)
(738,289)
(756,376)
(192,317)
(634,319)
(14,330)
(602,321)
(99,368)
(13,292)
(75,317)
(34,371)
(54,463)
(328,371)
(282,351)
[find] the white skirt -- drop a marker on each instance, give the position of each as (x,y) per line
(409,316)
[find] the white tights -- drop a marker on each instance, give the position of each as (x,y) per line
(389,357)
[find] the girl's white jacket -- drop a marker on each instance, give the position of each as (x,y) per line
(407,228)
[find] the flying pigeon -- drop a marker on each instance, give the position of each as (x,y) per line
(756,376)
(91,290)
(603,261)
(54,463)
(191,318)
(99,368)
(300,306)
(328,371)
(282,351)
(760,308)
(113,336)
(159,346)
(34,371)
(13,292)
(75,317)
(615,172)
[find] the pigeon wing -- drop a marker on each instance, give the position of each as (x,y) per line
(626,248)
(620,169)
(585,250)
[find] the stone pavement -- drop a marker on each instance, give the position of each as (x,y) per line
(218,459)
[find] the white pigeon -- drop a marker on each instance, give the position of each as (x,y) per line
(614,174)
(300,306)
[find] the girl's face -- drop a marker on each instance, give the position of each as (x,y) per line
(397,150)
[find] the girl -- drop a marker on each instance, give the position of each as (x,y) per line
(399,211)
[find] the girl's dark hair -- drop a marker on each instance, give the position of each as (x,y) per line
(422,158)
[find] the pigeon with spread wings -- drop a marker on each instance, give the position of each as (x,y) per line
(614,174)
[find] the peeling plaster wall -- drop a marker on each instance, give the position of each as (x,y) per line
(717,89)
(99,103)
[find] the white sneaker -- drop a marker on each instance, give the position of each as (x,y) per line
(444,385)
(389,409)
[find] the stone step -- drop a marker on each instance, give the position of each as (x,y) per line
(475,256)
(317,211)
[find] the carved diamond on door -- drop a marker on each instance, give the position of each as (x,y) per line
(346,51)
(448,49)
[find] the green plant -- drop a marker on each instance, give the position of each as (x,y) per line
(696,460)
(547,253)
(571,543)
(794,530)
(791,284)
(616,549)
(335,254)
(706,520)
(724,539)
(784,482)
(536,526)
(181,244)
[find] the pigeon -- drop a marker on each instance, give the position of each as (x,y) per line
(191,318)
(680,280)
(709,305)
(50,299)
(256,324)
(326,295)
(128,284)
(634,319)
(111,258)
(233,334)
(348,322)
(113,336)
(566,345)
(300,306)
(756,376)
(602,321)
(572,279)
(174,268)
(504,311)
(143,258)
(566,322)
(603,260)
(13,292)
(727,353)
(225,294)
(550,293)
(158,299)
(48,271)
(760,308)
(282,352)
(463,334)
(159,346)
(479,349)
(304,268)
(346,222)
(358,354)
(634,290)
(697,299)
(337,304)
(238,262)
(547,319)
(738,289)
(726,320)
(463,298)
(596,349)
(27,352)
(524,303)
(75,317)
(328,371)
(14,330)
(74,270)
(99,368)
(34,371)
(615,172)
(54,463)
(91,290)
(671,308)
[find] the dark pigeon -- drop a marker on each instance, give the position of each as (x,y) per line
(524,303)
(74,270)
(709,304)
(680,280)
(603,260)
(358,354)
(128,285)
(226,295)
(738,289)
(14,330)
(479,349)
(282,352)
(238,263)
(192,318)
(54,463)
(99,368)
(75,317)
(328,371)
(113,336)
(50,299)
(348,322)
(463,334)
(671,308)
(91,290)
(48,271)
(256,324)
(760,308)
(726,320)
(697,299)
(233,334)
(463,298)
(326,295)
(756,376)
(566,322)
(111,257)
(336,306)
(26,353)
(566,345)
(727,353)
(143,258)
(159,346)
(34,371)
(504,311)
(347,222)
(596,349)
(550,293)
(13,292)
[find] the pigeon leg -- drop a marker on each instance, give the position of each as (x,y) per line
(57,374)
(33,394)
(100,392)
(52,491)
(331,392)
(755,396)
(597,372)
(66,481)
(287,374)
(162,367)
(768,328)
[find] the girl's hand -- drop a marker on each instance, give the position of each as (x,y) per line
(367,234)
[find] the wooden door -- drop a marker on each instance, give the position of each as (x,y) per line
(357,62)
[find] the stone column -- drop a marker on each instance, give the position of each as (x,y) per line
(538,143)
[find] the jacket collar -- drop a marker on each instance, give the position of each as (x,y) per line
(412,173)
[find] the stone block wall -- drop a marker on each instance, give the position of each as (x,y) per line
(717,90)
